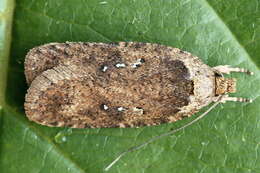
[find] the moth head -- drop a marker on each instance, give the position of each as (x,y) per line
(225,85)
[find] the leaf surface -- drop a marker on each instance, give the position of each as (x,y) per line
(218,31)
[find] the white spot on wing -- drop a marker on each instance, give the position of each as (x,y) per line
(105,107)
(104,68)
(137,63)
(138,110)
(120,109)
(120,65)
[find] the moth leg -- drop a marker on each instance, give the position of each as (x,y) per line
(234,99)
(227,69)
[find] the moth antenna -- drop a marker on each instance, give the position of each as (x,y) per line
(136,147)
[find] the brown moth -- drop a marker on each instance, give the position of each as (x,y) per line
(99,85)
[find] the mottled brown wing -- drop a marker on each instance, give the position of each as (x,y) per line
(129,85)
(47,56)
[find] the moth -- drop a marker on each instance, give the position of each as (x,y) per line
(125,84)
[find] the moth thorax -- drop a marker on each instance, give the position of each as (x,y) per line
(225,85)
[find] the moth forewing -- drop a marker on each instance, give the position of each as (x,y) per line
(129,84)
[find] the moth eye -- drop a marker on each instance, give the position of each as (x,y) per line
(120,109)
(103,107)
(120,65)
(104,68)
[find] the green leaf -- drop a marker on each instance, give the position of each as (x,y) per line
(218,31)
(6,14)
